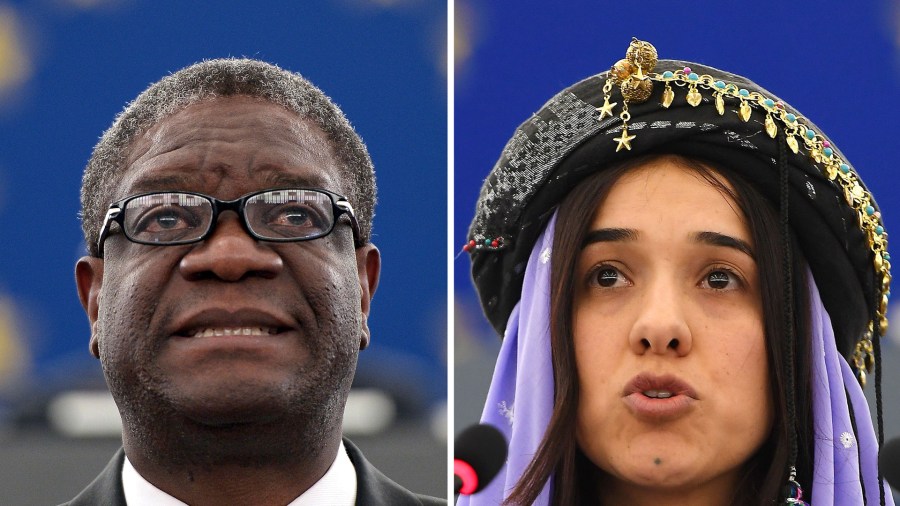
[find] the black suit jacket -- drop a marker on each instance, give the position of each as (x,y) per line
(372,487)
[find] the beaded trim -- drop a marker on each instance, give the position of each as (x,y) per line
(490,243)
(635,78)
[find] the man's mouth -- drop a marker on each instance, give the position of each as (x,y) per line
(233,331)
(218,322)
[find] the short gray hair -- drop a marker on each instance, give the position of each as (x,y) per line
(222,78)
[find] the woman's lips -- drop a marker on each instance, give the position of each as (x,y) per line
(658,409)
(658,398)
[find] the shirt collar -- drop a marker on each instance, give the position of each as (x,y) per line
(337,486)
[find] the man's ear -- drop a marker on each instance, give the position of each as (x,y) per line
(89,280)
(368,263)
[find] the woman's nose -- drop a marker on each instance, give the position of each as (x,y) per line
(661,326)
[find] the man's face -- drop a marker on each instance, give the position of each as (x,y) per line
(230,330)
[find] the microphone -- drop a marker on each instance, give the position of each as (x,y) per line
(478,454)
(889,462)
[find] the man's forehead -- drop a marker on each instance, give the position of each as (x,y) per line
(239,138)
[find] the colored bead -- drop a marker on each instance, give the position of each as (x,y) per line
(687,70)
(870,210)
(779,105)
(845,168)
(720,85)
(810,134)
(887,294)
(744,93)
(467,247)
(769,102)
(887,256)
(828,152)
(668,74)
(494,243)
(487,242)
(826,144)
(693,77)
(790,117)
(879,230)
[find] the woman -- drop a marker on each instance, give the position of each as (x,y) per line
(677,261)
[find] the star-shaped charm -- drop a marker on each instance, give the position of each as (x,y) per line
(624,141)
(607,108)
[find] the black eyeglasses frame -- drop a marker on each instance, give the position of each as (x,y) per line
(116,214)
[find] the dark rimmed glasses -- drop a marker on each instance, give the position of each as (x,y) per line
(276,215)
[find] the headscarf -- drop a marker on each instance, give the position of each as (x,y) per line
(644,106)
(519,405)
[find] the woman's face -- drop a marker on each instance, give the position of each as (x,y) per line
(668,335)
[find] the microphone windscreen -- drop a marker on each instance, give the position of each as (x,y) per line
(889,462)
(484,448)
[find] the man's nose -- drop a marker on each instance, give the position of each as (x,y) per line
(661,326)
(230,254)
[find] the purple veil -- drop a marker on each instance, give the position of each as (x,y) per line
(520,404)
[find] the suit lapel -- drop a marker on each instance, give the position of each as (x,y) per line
(106,489)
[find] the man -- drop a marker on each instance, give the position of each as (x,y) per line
(228,215)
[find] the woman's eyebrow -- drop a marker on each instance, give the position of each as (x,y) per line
(610,235)
(727,241)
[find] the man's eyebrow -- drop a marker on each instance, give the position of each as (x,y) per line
(278,178)
(727,241)
(160,182)
(610,235)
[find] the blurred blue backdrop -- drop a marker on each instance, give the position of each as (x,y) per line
(67,67)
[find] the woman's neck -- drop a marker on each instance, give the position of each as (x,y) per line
(720,490)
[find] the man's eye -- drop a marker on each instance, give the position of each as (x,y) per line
(296,216)
(165,219)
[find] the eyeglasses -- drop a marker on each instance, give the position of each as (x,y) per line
(276,215)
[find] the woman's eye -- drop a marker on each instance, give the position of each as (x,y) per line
(721,280)
(609,277)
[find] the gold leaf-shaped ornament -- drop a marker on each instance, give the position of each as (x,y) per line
(720,104)
(771,128)
(694,97)
(745,111)
(792,143)
(667,97)
(816,155)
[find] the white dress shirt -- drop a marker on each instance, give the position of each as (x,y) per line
(337,487)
